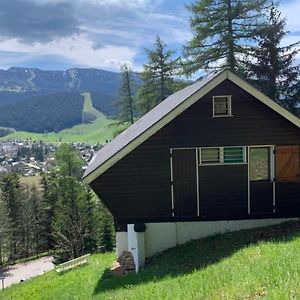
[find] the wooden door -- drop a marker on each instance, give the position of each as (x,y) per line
(287,163)
(184,184)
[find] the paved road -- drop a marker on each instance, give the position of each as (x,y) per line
(27,270)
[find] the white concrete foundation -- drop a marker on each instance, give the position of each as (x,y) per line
(136,245)
(121,242)
(161,236)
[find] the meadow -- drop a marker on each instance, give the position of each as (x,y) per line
(250,264)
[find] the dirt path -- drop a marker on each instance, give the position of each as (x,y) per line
(26,270)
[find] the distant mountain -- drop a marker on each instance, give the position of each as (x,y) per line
(33,80)
(27,93)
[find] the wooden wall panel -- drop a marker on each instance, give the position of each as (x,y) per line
(223,191)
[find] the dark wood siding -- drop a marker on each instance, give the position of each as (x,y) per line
(138,186)
(223,191)
(261,195)
(184,182)
(287,199)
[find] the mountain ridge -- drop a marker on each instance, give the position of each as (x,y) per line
(39,100)
(19,79)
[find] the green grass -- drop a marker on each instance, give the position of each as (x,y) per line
(88,105)
(98,131)
(250,264)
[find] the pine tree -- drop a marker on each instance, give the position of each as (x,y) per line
(11,195)
(223,30)
(273,70)
(5,232)
(32,221)
(157,76)
(125,103)
(106,231)
(50,198)
(92,218)
(68,161)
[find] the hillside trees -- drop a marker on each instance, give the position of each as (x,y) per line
(158,81)
(76,220)
(273,70)
(222,33)
(22,213)
(50,112)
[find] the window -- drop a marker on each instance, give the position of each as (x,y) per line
(233,155)
(221,106)
(222,155)
(210,155)
(259,163)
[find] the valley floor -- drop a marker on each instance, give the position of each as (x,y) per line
(251,264)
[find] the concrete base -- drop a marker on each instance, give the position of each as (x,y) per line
(121,243)
(136,245)
(161,236)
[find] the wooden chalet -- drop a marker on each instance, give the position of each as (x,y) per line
(218,155)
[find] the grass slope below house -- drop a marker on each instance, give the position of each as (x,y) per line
(250,264)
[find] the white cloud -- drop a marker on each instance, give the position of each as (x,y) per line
(77,49)
(110,32)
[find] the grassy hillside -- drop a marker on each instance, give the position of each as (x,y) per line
(250,264)
(99,130)
(88,105)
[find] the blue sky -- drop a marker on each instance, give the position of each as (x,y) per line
(60,34)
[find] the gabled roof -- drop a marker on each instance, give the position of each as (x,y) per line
(165,112)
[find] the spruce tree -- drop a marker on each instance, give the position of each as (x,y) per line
(223,31)
(125,102)
(5,232)
(11,195)
(273,71)
(106,231)
(158,82)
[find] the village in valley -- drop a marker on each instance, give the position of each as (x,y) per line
(31,158)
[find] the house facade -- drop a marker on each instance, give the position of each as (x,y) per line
(218,155)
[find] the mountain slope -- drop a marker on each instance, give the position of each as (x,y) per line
(36,100)
(41,113)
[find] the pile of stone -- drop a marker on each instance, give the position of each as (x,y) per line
(123,265)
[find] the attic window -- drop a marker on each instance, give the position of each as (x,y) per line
(222,106)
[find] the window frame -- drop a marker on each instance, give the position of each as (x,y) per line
(221,156)
(269,160)
(229,114)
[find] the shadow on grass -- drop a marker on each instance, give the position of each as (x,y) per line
(197,255)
